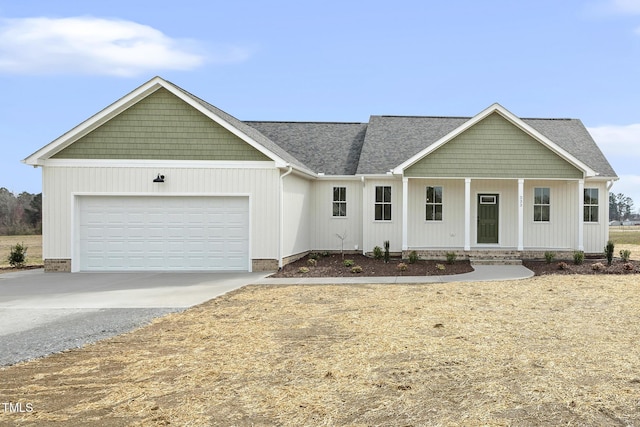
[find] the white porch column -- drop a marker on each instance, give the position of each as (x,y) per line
(521,214)
(581,215)
(467,214)
(405,213)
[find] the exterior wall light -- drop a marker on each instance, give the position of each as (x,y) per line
(160,178)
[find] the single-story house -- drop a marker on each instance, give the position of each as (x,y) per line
(162,180)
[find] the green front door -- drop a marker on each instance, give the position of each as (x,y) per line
(488,215)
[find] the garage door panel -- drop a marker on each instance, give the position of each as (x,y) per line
(163,233)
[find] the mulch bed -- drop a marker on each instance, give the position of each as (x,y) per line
(589,266)
(332,265)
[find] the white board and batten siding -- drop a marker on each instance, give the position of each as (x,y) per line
(297,215)
(376,232)
(64,186)
(328,227)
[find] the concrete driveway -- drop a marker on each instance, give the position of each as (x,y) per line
(43,313)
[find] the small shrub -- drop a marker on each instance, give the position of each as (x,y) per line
(356,269)
(578,257)
(608,251)
(17,256)
(386,251)
(402,267)
(440,267)
(314,255)
(303,270)
(377,252)
(628,266)
(562,266)
(598,266)
(451,257)
(549,256)
(325,254)
(413,257)
(348,262)
(625,254)
(312,262)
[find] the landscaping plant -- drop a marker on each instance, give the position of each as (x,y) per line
(578,257)
(451,257)
(608,251)
(413,257)
(377,252)
(625,254)
(549,256)
(18,255)
(386,251)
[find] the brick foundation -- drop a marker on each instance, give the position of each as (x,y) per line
(57,265)
(264,264)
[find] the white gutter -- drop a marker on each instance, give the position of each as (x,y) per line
(281,244)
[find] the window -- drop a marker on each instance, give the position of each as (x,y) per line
(434,204)
(590,205)
(541,204)
(383,203)
(339,201)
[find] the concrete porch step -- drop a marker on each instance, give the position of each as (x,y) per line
(495,261)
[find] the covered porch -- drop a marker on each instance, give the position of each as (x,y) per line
(488,215)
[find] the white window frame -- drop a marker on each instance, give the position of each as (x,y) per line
(538,202)
(432,205)
(383,203)
(341,201)
(591,206)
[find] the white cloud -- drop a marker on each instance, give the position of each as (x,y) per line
(87,45)
(618,140)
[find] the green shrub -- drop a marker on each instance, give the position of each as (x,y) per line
(549,256)
(377,252)
(578,257)
(413,257)
(625,254)
(17,256)
(386,251)
(348,262)
(451,257)
(356,269)
(314,255)
(312,262)
(608,251)
(325,254)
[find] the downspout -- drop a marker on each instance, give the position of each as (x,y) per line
(281,245)
(364,251)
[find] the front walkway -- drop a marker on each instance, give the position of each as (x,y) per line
(481,273)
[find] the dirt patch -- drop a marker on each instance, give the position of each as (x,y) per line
(332,265)
(547,351)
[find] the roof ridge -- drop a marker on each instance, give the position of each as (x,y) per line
(305,122)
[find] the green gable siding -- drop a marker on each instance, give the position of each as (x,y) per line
(161,127)
(493,148)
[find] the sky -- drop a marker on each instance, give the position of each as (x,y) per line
(61,62)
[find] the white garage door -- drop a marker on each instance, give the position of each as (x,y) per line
(163,233)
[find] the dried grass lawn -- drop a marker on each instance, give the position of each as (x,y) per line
(33,244)
(547,351)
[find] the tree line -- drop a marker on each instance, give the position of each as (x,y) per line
(621,208)
(20,214)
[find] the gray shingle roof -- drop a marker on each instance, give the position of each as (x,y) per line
(330,148)
(388,141)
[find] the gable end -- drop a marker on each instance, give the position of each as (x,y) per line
(493,148)
(161,127)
